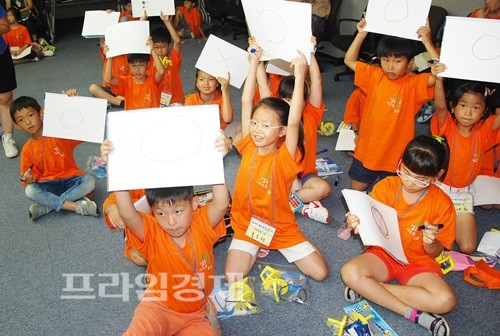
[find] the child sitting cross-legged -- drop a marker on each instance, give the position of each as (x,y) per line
(177,240)
(48,169)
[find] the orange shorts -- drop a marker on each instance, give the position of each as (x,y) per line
(152,317)
(399,272)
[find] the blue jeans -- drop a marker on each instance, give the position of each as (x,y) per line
(54,193)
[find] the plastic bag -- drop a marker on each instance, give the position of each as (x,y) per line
(235,299)
(97,167)
(283,283)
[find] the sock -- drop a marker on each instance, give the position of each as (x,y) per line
(7,136)
(422,318)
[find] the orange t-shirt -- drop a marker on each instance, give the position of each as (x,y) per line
(274,85)
(388,122)
(195,99)
(17,37)
(177,269)
(354,107)
(491,159)
(269,184)
(171,82)
(193,19)
(466,153)
(52,158)
(311,118)
(434,207)
(476,11)
(124,14)
(120,66)
(138,96)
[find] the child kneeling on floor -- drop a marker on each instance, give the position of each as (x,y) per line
(426,219)
(48,169)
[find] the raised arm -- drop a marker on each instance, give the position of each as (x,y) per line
(108,72)
(130,216)
(263,81)
(299,65)
(316,89)
(255,53)
(425,34)
(439,94)
(160,70)
(227,104)
(176,40)
(352,54)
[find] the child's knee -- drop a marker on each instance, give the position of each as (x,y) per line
(320,274)
(445,302)
(349,273)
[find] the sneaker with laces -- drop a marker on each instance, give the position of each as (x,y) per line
(86,207)
(37,210)
(317,212)
(9,146)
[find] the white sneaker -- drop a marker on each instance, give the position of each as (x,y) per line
(317,212)
(9,146)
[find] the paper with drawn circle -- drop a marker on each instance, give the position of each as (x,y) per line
(164,147)
(127,38)
(153,7)
(95,22)
(400,18)
(75,118)
(471,49)
(280,27)
(378,223)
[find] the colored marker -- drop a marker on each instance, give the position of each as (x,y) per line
(324,150)
(425,227)
(26,173)
(253,50)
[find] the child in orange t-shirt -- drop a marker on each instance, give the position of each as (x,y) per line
(422,291)
(19,39)
(211,90)
(270,163)
(177,238)
(470,133)
(139,89)
(48,169)
(393,99)
(167,45)
(126,13)
(188,21)
(491,10)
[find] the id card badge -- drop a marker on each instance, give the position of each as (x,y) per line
(165,98)
(463,202)
(260,231)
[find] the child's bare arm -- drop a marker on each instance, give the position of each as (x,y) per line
(262,81)
(255,53)
(316,90)
(108,72)
(167,21)
(227,104)
(160,70)
(425,34)
(352,54)
(299,65)
(221,198)
(130,216)
(439,94)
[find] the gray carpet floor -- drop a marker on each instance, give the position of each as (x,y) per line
(66,274)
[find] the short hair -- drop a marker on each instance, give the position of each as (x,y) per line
(426,155)
(125,2)
(133,58)
(287,84)
(15,12)
(161,34)
(23,102)
(396,46)
(171,196)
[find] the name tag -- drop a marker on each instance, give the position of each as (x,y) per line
(165,98)
(463,202)
(260,231)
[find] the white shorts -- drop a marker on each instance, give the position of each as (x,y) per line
(291,254)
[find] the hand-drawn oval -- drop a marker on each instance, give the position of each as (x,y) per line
(180,136)
(71,119)
(278,33)
(486,48)
(396,11)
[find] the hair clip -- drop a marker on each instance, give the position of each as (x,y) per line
(438,138)
(488,91)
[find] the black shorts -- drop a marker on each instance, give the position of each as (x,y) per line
(8,78)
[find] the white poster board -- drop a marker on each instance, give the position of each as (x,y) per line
(127,38)
(25,52)
(219,57)
(76,118)
(345,142)
(487,190)
(280,27)
(153,7)
(471,49)
(378,223)
(164,147)
(95,22)
(400,18)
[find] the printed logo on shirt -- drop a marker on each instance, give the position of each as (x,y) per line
(413,229)
(58,151)
(395,103)
(206,263)
(265,182)
(477,156)
(148,97)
